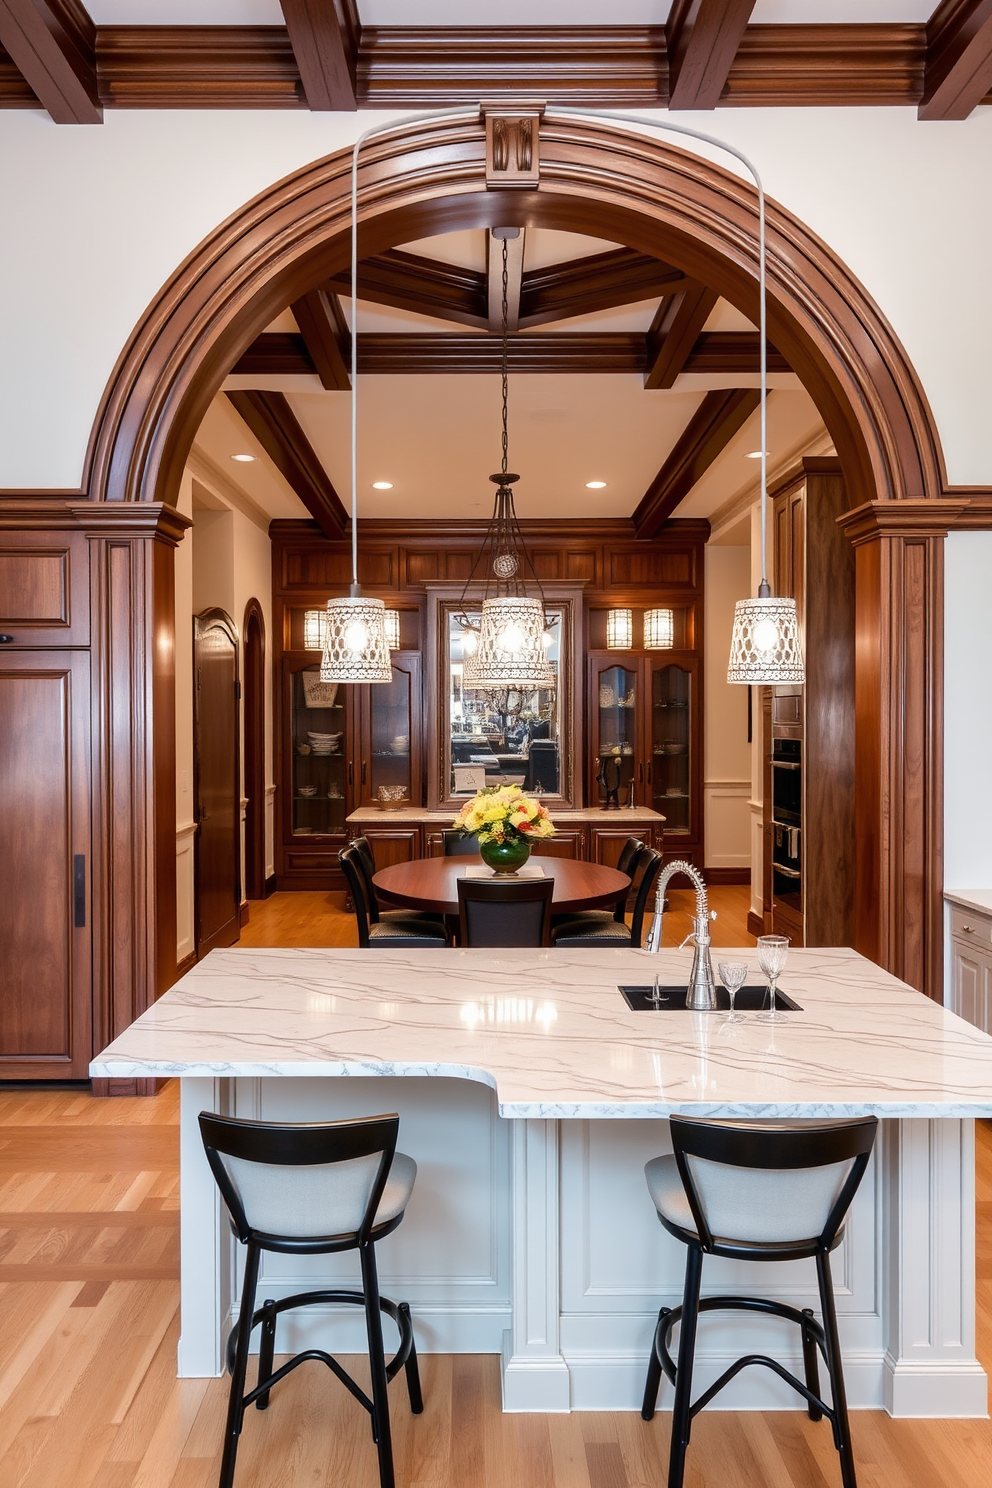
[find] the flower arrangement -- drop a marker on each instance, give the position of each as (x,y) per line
(504,814)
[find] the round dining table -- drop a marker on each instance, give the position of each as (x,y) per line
(430,883)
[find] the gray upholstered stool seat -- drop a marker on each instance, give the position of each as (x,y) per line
(319,1199)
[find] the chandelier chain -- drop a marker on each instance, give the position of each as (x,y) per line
(505,350)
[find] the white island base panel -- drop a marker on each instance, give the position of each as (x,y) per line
(534,1236)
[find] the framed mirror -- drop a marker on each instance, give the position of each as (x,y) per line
(501,736)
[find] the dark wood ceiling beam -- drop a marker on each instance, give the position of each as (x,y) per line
(278,431)
(602,281)
(719,417)
(53,45)
(326,335)
(958,70)
(325,36)
(703,38)
(674,331)
(427,286)
(720,353)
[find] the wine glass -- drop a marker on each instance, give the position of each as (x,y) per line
(772,953)
(733,975)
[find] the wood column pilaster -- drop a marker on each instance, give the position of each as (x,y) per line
(132,599)
(899,735)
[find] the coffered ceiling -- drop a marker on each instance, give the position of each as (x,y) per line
(429,409)
(680,54)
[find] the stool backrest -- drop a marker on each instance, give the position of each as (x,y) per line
(458,846)
(365,859)
(651,862)
(348,858)
(301,1181)
(771,1182)
(513,913)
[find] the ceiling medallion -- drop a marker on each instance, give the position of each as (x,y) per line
(509,649)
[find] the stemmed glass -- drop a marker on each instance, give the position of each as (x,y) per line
(772,953)
(733,975)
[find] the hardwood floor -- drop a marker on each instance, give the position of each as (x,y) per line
(89,1295)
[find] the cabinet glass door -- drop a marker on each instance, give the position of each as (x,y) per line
(617,697)
(389,775)
(671,735)
(319,765)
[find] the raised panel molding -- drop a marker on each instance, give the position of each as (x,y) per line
(185,892)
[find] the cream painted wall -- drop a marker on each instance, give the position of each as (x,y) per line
(726,752)
(968,711)
(905,204)
(229,562)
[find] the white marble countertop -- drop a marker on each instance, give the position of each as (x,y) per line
(980,900)
(551,1034)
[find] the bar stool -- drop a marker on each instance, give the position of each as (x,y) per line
(313,1189)
(756,1191)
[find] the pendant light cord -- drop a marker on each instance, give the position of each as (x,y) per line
(710,139)
(504,359)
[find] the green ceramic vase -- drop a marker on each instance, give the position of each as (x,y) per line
(505,857)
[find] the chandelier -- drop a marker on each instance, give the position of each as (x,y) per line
(510,648)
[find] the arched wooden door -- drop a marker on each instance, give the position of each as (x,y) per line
(216,780)
(253,632)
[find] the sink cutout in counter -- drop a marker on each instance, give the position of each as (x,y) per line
(749,1000)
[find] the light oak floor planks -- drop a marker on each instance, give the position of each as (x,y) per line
(89,1298)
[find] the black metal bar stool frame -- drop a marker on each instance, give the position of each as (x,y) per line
(300,1145)
(756,1146)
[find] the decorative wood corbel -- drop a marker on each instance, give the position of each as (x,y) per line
(512,143)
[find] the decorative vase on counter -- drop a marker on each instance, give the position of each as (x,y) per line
(505,858)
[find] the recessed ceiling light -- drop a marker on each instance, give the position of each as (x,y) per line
(595,485)
(243,459)
(382,485)
(756,454)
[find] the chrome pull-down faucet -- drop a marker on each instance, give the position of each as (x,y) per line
(701,992)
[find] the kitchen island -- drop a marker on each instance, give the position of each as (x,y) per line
(531,1096)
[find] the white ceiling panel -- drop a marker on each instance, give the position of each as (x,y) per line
(845,12)
(186,12)
(793,422)
(514,12)
(437,440)
(221,435)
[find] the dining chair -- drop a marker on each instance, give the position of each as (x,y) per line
(516,912)
(365,858)
(610,931)
(630,859)
(756,1191)
(457,845)
(384,932)
(310,1189)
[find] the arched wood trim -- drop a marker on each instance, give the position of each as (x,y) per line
(632,188)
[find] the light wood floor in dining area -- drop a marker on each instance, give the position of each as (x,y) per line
(89,1266)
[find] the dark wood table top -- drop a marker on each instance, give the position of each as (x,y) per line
(430,883)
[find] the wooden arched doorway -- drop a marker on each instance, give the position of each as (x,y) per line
(253,638)
(593,177)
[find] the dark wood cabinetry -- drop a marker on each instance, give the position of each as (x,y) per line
(809,731)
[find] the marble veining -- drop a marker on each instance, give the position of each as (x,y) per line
(550,1033)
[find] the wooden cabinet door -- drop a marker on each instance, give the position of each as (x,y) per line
(968,976)
(45,869)
(387,750)
(45,588)
(393,845)
(614,738)
(568,842)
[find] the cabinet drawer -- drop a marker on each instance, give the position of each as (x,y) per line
(44,588)
(971,928)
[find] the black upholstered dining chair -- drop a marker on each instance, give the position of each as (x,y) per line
(457,845)
(365,858)
(313,1189)
(756,1191)
(512,913)
(416,932)
(609,931)
(629,861)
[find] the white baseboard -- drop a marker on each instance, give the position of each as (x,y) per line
(934,1389)
(540,1385)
